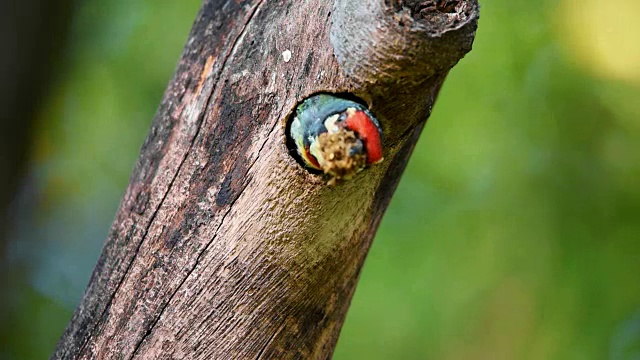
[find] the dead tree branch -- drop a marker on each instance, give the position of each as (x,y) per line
(224,247)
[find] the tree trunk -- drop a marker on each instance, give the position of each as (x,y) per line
(224,247)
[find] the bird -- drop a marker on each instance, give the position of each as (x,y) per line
(335,135)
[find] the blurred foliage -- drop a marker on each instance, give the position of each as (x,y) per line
(121,56)
(515,231)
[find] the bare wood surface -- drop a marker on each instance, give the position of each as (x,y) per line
(223,246)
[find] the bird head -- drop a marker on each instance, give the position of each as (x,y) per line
(337,136)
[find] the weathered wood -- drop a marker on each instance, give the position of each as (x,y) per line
(223,246)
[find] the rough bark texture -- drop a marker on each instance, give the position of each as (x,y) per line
(223,246)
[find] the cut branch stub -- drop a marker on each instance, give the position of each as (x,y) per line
(396,53)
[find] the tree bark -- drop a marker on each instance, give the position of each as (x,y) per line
(223,246)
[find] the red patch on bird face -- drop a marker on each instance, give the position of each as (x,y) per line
(311,160)
(359,122)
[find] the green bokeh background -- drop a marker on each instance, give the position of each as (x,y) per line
(514,234)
